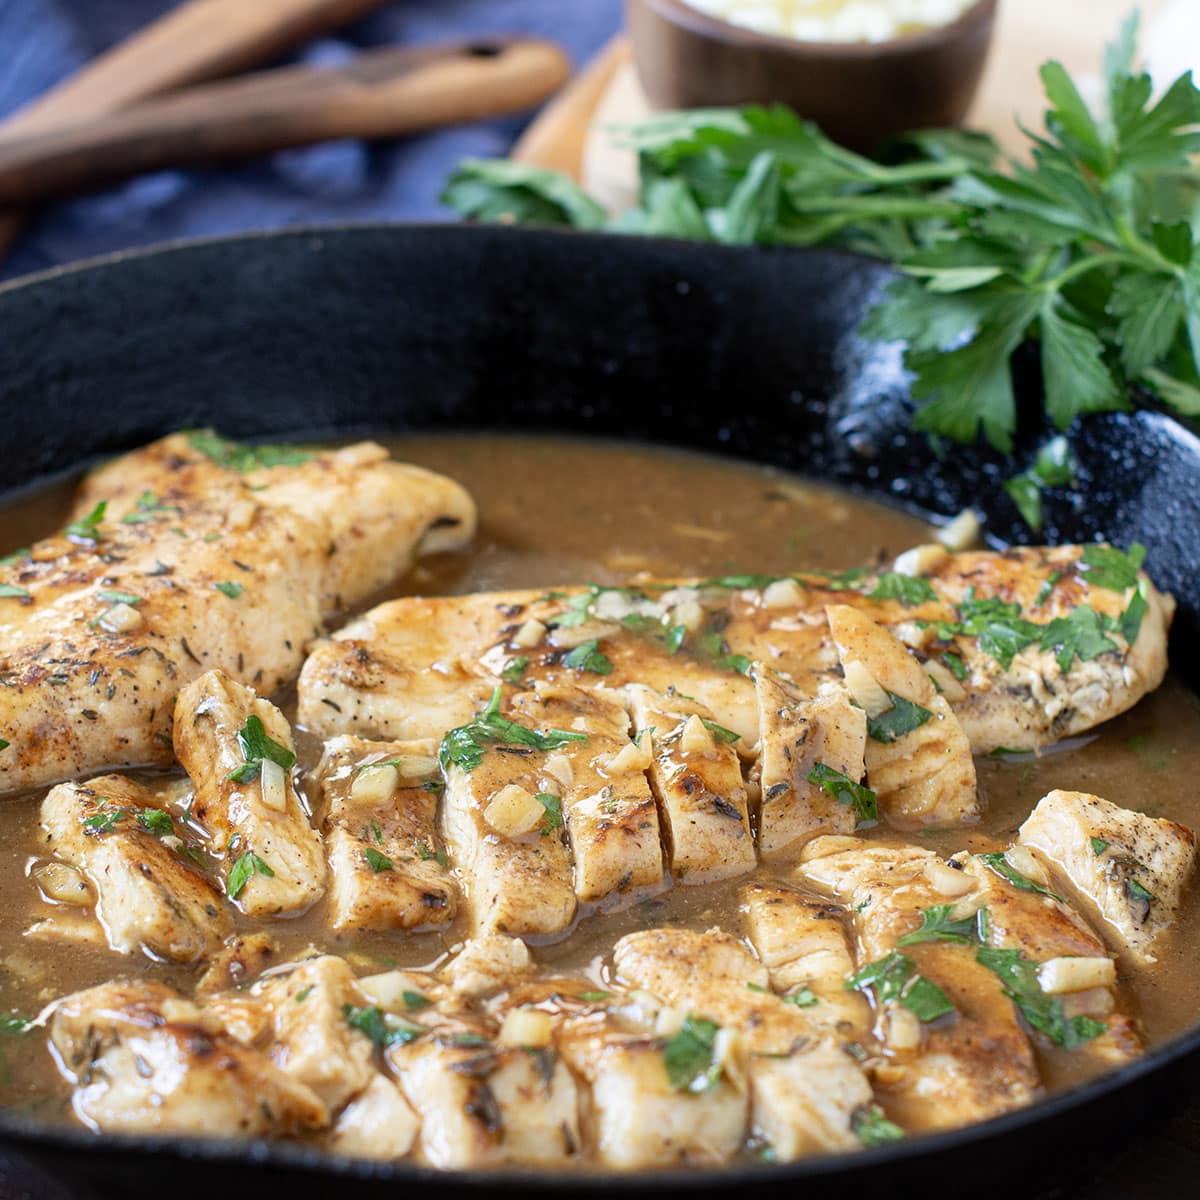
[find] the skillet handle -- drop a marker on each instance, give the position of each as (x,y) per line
(198,40)
(382,93)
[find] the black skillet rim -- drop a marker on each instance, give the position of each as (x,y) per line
(22,1131)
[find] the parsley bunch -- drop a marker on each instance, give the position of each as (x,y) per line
(1089,248)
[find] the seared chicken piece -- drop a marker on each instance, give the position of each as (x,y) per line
(796,733)
(150,895)
(639,1119)
(803,945)
(1074,964)
(610,815)
(488,964)
(240,959)
(414,667)
(385,863)
(483,1104)
(145,1060)
(312,1040)
(918,759)
(697,778)
(377,1124)
(805,1091)
(507,843)
(950,1066)
(248,805)
(1131,867)
(192,566)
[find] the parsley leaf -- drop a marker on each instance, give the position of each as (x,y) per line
(377,861)
(235,456)
(872,1128)
(553,806)
(954,665)
(1099,845)
(719,732)
(514,669)
(232,590)
(937,926)
(1110,568)
(845,791)
(689,1056)
(1078,635)
(465,746)
(587,657)
(155,821)
(894,978)
(1053,467)
(910,590)
(148,509)
(903,717)
(243,870)
(802,997)
(10,591)
(383,1031)
(256,746)
(87,529)
(1000,864)
(1019,978)
(104,821)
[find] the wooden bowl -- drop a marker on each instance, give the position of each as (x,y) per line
(860,93)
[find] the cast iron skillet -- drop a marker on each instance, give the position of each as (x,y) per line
(745,353)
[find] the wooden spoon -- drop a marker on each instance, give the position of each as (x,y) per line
(198,40)
(382,93)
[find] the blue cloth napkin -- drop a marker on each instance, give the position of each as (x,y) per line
(41,41)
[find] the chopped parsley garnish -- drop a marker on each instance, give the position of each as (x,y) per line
(414,1001)
(592,996)
(872,1128)
(802,998)
(514,669)
(87,529)
(895,978)
(4,745)
(10,591)
(1130,623)
(1136,891)
(304,993)
(711,646)
(155,821)
(1099,845)
(12,1024)
(1046,588)
(588,657)
(382,1031)
(739,583)
(719,732)
(235,456)
(113,597)
(998,626)
(689,1056)
(1019,977)
(465,746)
(148,509)
(426,855)
(104,821)
(842,581)
(473,1040)
(1000,864)
(903,717)
(845,791)
(232,590)
(553,806)
(376,832)
(938,926)
(377,861)
(1079,635)
(1112,569)
(243,870)
(910,590)
(1054,467)
(954,665)
(15,557)
(256,746)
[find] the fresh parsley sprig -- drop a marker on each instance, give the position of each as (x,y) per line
(1086,245)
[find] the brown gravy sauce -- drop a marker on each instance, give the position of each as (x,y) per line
(557,511)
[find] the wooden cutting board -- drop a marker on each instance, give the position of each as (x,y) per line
(572,133)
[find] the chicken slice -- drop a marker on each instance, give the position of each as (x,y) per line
(1132,868)
(273,861)
(962,1066)
(239,960)
(144,1060)
(796,733)
(389,674)
(312,1040)
(610,816)
(507,844)
(377,1124)
(194,565)
(1045,930)
(638,1119)
(922,775)
(488,964)
(386,867)
(483,1104)
(803,945)
(805,1090)
(150,895)
(697,777)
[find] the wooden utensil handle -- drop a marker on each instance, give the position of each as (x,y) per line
(383,93)
(199,40)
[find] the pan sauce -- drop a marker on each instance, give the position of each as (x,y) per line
(558,511)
